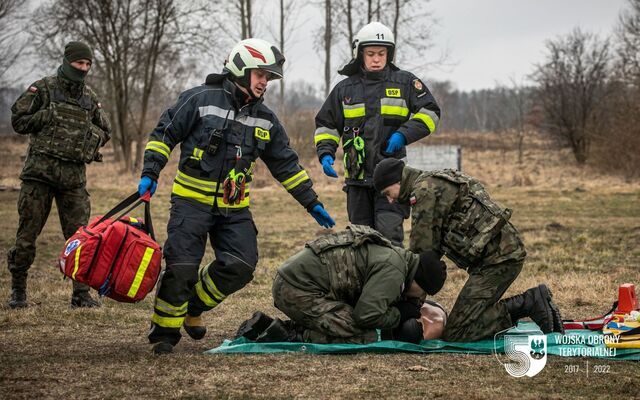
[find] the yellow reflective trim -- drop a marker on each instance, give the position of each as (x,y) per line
(76,263)
(202,295)
(190,179)
(197,154)
(182,191)
(428,121)
(295,180)
(392,92)
(167,322)
(243,203)
(394,110)
(132,219)
(142,268)
(325,136)
(353,112)
(158,147)
(212,286)
(167,308)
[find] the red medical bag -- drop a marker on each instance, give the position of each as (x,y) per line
(119,256)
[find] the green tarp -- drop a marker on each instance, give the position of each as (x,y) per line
(575,343)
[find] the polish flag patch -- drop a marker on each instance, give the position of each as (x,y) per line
(33,89)
(412,200)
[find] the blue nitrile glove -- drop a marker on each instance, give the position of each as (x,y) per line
(396,142)
(147,184)
(322,217)
(327,162)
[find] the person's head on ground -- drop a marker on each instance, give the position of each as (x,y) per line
(76,62)
(387,176)
(252,63)
(430,325)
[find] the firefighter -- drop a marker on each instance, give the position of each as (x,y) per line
(222,127)
(453,215)
(343,286)
(375,112)
(66,126)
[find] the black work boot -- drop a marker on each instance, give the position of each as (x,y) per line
(81,297)
(18,297)
(280,331)
(194,327)
(254,326)
(161,348)
(536,303)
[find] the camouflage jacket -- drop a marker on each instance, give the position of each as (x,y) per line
(32,114)
(357,266)
(453,214)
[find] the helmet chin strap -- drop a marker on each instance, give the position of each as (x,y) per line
(245,83)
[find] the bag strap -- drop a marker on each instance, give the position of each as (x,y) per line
(133,201)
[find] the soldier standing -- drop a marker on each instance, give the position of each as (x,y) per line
(453,215)
(376,111)
(66,126)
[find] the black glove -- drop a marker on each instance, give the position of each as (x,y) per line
(407,310)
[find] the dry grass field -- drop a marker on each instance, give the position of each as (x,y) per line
(581,228)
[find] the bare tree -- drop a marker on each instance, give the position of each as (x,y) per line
(328,36)
(136,42)
(628,46)
(11,46)
(572,86)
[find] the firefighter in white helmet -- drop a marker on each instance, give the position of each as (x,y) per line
(375,112)
(222,127)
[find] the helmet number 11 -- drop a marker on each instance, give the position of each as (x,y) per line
(380,35)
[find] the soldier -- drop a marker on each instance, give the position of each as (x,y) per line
(453,215)
(222,128)
(66,126)
(342,287)
(376,111)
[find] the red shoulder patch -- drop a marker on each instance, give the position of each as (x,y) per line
(99,105)
(413,200)
(33,89)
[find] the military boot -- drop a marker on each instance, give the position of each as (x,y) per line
(254,326)
(194,327)
(536,303)
(18,297)
(81,297)
(280,331)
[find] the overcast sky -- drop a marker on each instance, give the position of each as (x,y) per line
(489,41)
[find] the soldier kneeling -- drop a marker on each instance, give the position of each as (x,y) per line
(342,287)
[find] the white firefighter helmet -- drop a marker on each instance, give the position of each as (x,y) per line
(253,54)
(374,34)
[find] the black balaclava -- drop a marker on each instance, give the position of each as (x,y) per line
(74,51)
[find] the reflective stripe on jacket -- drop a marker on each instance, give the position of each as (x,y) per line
(205,112)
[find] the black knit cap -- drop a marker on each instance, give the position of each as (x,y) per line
(75,51)
(431,273)
(387,172)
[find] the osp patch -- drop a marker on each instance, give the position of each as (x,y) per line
(71,246)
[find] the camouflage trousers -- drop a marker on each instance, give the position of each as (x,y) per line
(478,313)
(324,320)
(34,206)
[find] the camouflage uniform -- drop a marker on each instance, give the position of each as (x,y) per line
(340,287)
(66,125)
(454,215)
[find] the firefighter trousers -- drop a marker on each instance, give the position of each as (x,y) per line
(186,290)
(366,206)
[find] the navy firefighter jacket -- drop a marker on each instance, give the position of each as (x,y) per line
(214,134)
(376,104)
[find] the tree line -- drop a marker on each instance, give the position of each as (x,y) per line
(586,91)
